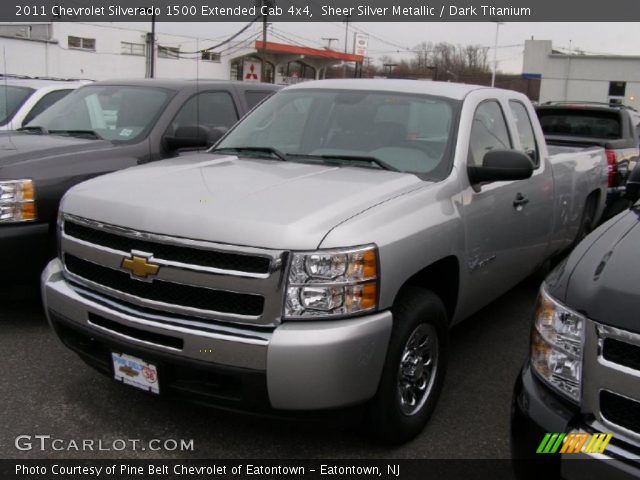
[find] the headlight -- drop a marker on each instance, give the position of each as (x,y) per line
(332,283)
(17,201)
(557,342)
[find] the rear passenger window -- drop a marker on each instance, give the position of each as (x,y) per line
(488,132)
(254,98)
(525,130)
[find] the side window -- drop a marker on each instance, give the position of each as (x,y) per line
(255,97)
(488,132)
(213,110)
(525,130)
(44,103)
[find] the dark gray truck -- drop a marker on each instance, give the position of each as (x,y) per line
(584,124)
(101,128)
(578,395)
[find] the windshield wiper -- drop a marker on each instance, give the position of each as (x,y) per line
(75,133)
(34,129)
(274,152)
(351,158)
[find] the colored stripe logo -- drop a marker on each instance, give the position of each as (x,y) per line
(574,443)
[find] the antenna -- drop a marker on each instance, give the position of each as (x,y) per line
(6,91)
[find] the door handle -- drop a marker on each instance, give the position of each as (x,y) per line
(520,202)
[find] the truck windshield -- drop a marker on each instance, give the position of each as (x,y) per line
(11,98)
(112,112)
(394,131)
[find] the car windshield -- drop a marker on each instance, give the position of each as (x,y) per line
(11,98)
(112,112)
(386,130)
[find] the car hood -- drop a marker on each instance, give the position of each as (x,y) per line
(253,202)
(19,147)
(603,274)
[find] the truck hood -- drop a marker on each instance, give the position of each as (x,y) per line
(604,274)
(252,202)
(19,147)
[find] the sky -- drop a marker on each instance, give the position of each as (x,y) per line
(394,38)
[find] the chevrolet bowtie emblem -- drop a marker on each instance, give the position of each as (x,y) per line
(140,267)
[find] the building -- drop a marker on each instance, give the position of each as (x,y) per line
(106,51)
(578,76)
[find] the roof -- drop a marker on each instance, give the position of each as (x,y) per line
(274,47)
(179,83)
(443,89)
(40,83)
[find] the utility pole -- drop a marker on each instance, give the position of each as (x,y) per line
(152,48)
(346,40)
(266,5)
(495,56)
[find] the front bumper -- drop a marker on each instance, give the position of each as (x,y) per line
(536,411)
(311,365)
(24,249)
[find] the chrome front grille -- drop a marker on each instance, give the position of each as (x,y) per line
(611,384)
(218,282)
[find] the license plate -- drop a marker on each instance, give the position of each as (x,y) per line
(135,372)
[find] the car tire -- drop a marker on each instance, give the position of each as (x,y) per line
(414,369)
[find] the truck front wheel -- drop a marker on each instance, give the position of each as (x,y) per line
(415,367)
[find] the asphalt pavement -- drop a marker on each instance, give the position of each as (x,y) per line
(47,390)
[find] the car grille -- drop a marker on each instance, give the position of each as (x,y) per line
(611,373)
(621,353)
(194,279)
(175,253)
(172,293)
(620,410)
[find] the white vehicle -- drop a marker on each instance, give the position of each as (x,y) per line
(22,99)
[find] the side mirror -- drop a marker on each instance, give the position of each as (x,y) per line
(189,136)
(632,190)
(501,166)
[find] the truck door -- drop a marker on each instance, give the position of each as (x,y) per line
(507,223)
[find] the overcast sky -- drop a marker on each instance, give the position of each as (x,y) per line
(388,38)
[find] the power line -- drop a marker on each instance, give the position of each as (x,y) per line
(235,35)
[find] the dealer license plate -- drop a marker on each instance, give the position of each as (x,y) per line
(135,372)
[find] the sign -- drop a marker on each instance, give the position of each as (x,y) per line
(360,44)
(252,71)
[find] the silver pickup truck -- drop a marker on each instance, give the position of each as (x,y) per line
(318,255)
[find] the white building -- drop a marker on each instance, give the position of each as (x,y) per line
(106,51)
(576,76)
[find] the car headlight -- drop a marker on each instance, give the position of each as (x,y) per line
(17,201)
(557,342)
(332,283)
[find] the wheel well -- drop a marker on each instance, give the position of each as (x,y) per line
(442,278)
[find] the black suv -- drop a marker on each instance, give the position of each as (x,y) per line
(612,127)
(579,392)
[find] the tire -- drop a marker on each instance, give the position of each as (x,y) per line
(391,416)
(587,221)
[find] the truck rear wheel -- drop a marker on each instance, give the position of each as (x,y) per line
(415,367)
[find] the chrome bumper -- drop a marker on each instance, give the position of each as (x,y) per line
(308,365)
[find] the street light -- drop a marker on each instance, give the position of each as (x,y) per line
(495,56)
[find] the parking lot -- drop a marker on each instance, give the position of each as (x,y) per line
(47,390)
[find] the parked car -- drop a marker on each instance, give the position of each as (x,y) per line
(317,256)
(100,128)
(612,127)
(23,99)
(581,380)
